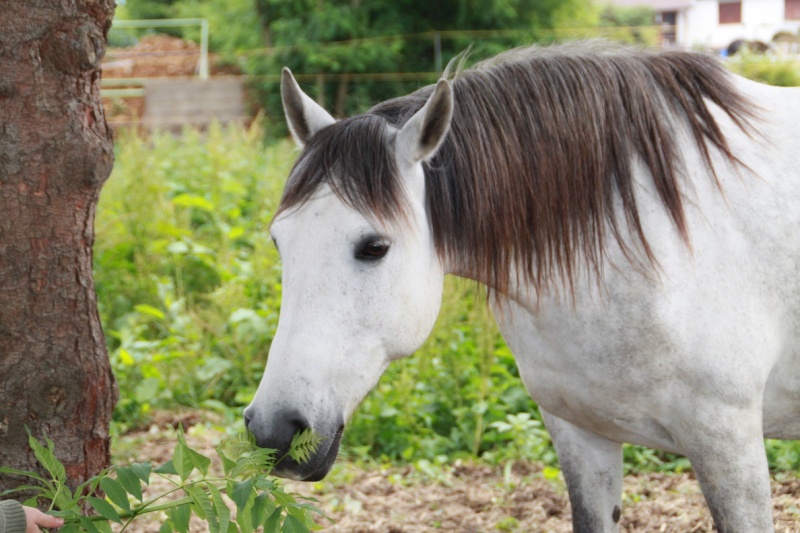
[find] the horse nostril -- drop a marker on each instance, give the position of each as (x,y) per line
(247,417)
(299,423)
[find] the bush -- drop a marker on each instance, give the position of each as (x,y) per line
(771,70)
(187,277)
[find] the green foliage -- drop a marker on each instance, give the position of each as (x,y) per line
(147,9)
(339,38)
(260,501)
(633,24)
(783,455)
(767,69)
(187,277)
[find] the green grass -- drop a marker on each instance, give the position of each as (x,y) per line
(189,290)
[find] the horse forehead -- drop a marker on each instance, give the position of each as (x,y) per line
(324,214)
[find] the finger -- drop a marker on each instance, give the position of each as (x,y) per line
(37,518)
(45,520)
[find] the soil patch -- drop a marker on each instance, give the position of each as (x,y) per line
(467,497)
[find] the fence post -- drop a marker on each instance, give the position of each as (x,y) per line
(203,67)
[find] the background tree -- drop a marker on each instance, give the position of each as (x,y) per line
(345,38)
(350,54)
(55,153)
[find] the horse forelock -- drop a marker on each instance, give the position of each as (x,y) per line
(355,158)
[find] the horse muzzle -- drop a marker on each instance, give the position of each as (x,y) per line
(277,434)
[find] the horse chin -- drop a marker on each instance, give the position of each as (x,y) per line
(317,467)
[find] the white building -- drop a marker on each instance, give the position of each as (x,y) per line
(714,24)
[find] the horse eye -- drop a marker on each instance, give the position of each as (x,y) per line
(372,250)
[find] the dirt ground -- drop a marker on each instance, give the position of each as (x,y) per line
(467,497)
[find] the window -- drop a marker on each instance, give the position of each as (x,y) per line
(730,12)
(792,9)
(668,20)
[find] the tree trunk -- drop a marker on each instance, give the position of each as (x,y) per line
(55,154)
(263,10)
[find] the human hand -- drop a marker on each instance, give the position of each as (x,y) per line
(35,518)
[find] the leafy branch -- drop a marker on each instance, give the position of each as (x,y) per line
(260,501)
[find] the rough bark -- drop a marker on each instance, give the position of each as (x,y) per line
(55,154)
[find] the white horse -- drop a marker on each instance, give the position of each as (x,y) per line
(636,218)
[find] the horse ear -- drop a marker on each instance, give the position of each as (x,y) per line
(304,116)
(424,132)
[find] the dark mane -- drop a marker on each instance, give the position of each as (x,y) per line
(542,143)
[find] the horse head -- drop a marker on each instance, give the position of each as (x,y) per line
(362,281)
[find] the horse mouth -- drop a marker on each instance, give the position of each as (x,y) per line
(317,467)
(328,458)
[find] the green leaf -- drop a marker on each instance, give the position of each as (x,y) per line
(166,468)
(47,458)
(227,463)
(192,200)
(147,390)
(181,461)
(282,497)
(263,507)
(195,459)
(273,523)
(241,493)
(166,527)
(130,482)
(88,525)
(240,444)
(88,487)
(202,505)
(115,492)
(200,461)
(243,518)
(142,471)
(305,509)
(222,511)
(150,311)
(180,516)
(255,462)
(21,488)
(551,473)
(15,472)
(263,483)
(304,445)
(70,528)
(104,509)
(293,525)
(104,527)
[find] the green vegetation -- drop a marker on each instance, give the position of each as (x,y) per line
(260,501)
(634,24)
(187,278)
(772,70)
(189,292)
(352,53)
